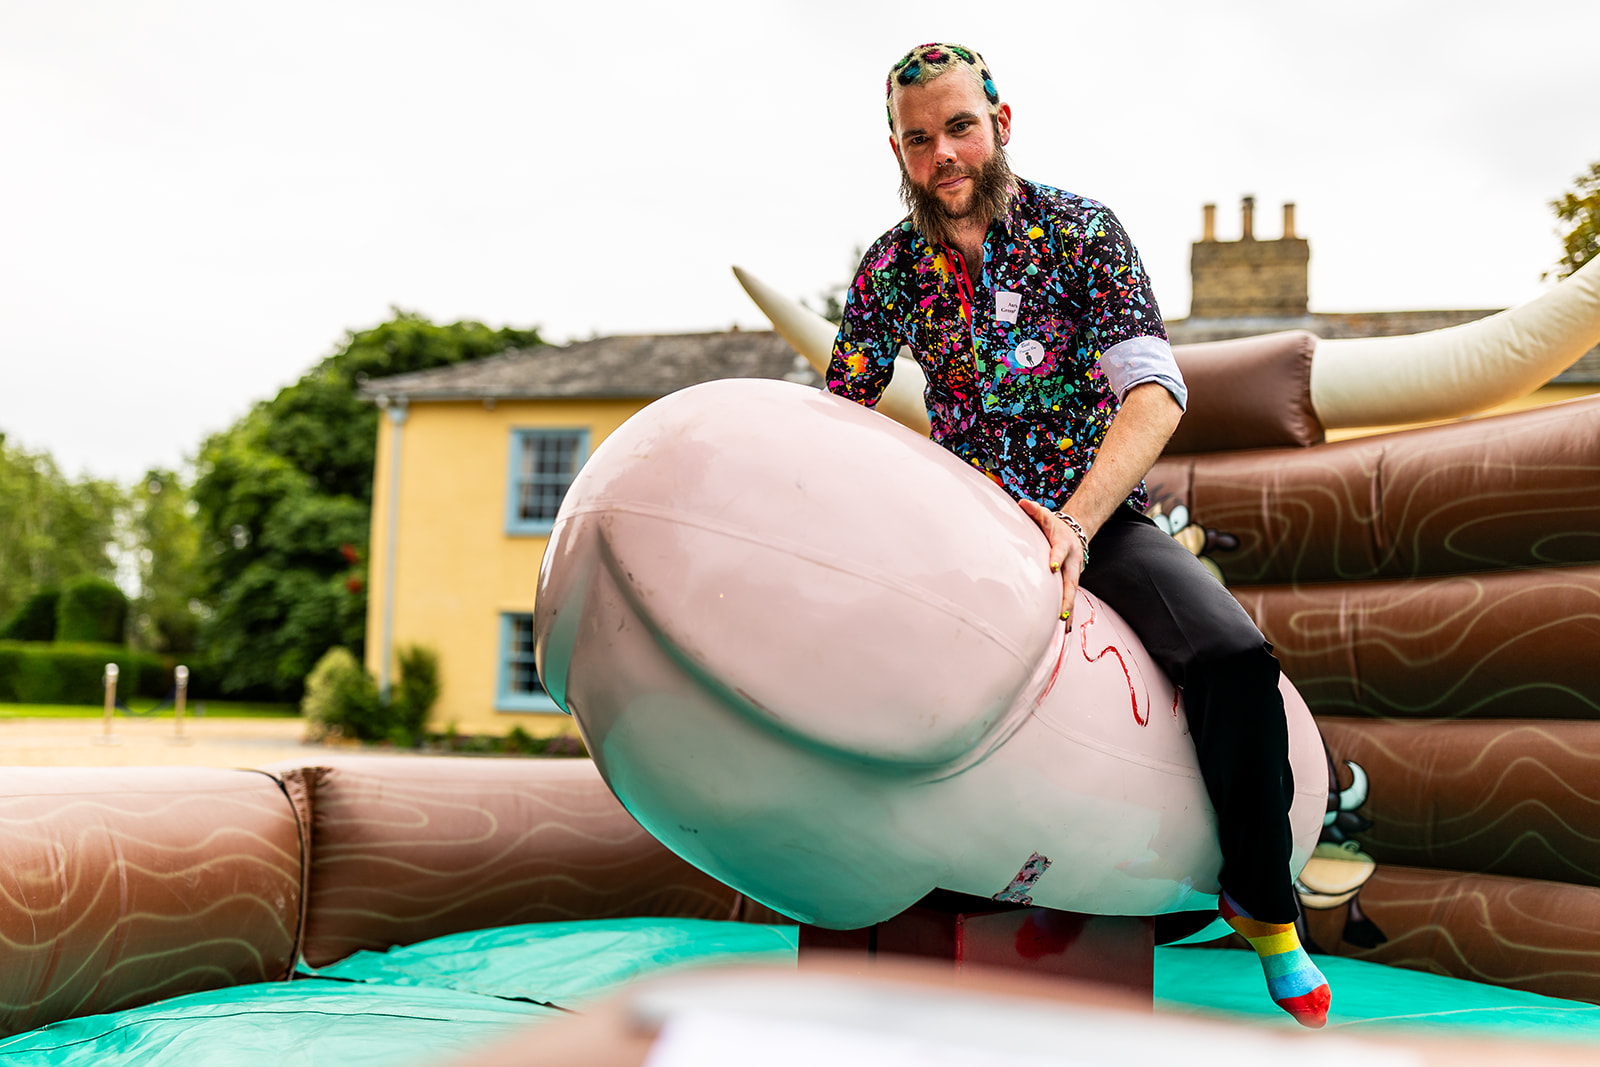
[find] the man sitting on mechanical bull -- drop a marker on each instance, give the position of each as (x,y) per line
(1049,369)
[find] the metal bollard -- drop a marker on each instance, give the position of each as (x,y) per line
(181,676)
(106,736)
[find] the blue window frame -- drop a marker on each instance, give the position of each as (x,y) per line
(519,687)
(543,464)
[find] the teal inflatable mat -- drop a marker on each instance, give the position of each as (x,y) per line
(425,1003)
(415,1005)
(1369,996)
(305,1023)
(565,964)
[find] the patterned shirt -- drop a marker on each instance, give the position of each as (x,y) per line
(1027,366)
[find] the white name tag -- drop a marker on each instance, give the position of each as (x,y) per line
(1006,305)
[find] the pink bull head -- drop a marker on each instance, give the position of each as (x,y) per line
(819,657)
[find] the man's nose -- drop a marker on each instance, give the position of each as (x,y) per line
(944,152)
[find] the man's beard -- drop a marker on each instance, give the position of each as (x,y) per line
(991,195)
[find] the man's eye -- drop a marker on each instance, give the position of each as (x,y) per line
(960,127)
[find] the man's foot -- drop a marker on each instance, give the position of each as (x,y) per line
(1293,981)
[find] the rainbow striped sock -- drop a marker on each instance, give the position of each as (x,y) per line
(1293,981)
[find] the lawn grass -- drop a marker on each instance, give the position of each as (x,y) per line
(210,709)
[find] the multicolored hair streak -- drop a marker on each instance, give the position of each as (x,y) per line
(926,62)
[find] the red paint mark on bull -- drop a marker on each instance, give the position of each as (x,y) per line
(1133,694)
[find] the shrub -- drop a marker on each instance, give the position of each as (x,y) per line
(37,673)
(341,700)
(414,695)
(91,610)
(35,620)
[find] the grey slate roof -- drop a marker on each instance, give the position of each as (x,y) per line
(627,366)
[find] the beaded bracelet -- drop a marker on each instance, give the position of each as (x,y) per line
(1083,538)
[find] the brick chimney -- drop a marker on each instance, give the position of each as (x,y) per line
(1247,278)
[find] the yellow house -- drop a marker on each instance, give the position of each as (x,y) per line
(472,464)
(473,461)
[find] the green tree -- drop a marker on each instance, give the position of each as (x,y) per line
(163,542)
(52,529)
(1579,208)
(284,499)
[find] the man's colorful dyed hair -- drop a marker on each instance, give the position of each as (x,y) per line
(926,62)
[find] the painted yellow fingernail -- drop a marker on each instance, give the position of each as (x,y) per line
(1054,567)
(1065,615)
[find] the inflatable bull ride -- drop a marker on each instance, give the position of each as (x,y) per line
(821,659)
(815,655)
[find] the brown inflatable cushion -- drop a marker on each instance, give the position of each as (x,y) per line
(1513,932)
(1512,798)
(1506,644)
(1254,392)
(406,848)
(1516,490)
(119,887)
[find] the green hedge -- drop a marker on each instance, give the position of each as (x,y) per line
(35,620)
(37,673)
(91,610)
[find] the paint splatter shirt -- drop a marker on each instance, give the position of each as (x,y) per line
(1019,383)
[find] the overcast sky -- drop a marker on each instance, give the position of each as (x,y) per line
(198,197)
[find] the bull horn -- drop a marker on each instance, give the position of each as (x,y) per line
(1352,798)
(811,335)
(1460,370)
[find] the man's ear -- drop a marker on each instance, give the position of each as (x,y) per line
(1002,119)
(894,146)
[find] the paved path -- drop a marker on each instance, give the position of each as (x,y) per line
(214,742)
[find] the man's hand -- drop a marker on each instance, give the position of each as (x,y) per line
(1066,551)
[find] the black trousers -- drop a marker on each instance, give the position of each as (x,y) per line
(1197,632)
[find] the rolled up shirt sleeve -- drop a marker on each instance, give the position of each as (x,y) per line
(1143,359)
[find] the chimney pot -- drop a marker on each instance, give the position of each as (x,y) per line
(1208,231)
(1247,217)
(1288,220)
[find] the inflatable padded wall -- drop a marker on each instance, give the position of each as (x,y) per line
(1434,594)
(123,887)
(404,851)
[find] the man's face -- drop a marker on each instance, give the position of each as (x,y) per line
(944,136)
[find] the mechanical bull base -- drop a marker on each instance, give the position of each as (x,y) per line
(820,658)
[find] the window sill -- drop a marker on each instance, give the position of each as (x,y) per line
(525,703)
